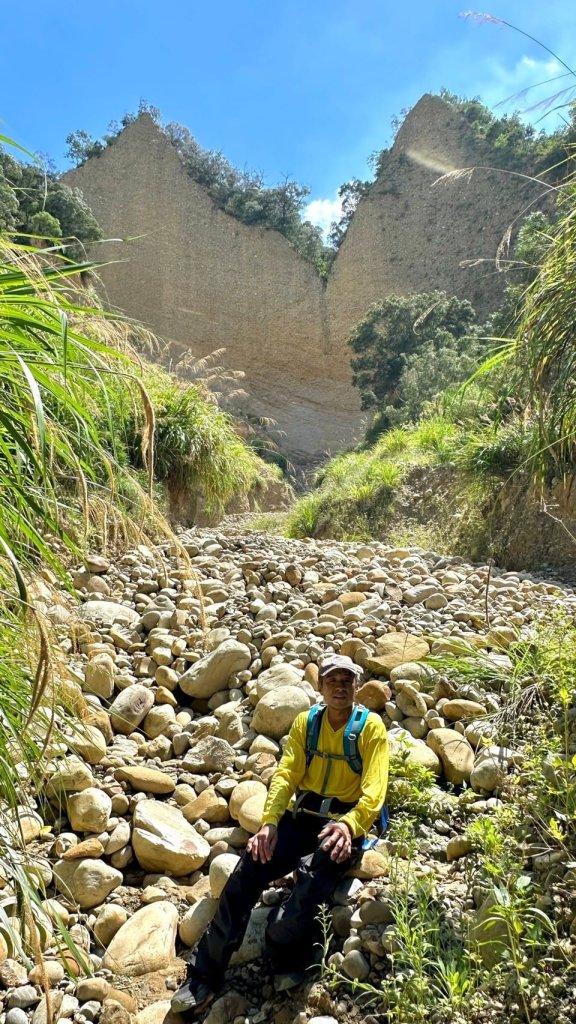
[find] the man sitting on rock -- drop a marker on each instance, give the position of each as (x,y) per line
(321,833)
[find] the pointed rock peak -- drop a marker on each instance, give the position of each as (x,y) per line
(436,136)
(144,124)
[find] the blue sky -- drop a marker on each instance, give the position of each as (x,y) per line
(305,88)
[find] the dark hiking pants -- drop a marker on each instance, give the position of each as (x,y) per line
(291,935)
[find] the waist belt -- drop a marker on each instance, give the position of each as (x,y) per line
(329,807)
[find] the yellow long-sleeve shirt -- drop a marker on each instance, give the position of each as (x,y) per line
(366,791)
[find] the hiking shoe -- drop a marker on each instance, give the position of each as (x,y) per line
(284,982)
(192,995)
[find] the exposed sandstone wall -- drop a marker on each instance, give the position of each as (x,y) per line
(409,235)
(202,280)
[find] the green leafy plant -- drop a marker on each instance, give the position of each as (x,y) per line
(497,451)
(197,451)
(499,851)
(412,788)
(393,332)
(431,970)
(528,931)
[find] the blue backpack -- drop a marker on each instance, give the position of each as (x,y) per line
(352,731)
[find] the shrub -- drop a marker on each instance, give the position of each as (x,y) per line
(197,450)
(494,452)
(34,202)
(425,336)
(434,435)
(303,519)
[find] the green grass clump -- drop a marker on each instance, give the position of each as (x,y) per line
(303,519)
(395,441)
(197,448)
(354,492)
(435,436)
(495,451)
(351,499)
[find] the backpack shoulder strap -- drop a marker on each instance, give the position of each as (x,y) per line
(352,732)
(313,730)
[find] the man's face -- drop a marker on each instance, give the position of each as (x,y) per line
(338,688)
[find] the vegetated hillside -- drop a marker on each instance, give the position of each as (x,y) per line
(427,485)
(495,461)
(249,291)
(412,232)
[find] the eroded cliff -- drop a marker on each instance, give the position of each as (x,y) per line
(203,281)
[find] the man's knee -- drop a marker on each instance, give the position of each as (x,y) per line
(319,869)
(247,880)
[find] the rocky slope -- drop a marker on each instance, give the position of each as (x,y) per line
(187,674)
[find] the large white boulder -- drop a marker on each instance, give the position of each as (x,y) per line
(163,840)
(87,881)
(251,811)
(145,943)
(130,708)
(272,678)
(208,754)
(211,674)
(89,810)
(109,612)
(196,920)
(242,792)
(70,776)
(220,870)
(88,742)
(277,710)
(455,753)
(99,676)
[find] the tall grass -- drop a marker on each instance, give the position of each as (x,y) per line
(494,451)
(538,364)
(544,357)
(52,461)
(435,435)
(61,477)
(352,493)
(197,449)
(48,435)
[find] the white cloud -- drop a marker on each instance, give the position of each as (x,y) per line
(529,86)
(323,211)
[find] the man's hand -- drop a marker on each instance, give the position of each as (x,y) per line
(263,844)
(336,837)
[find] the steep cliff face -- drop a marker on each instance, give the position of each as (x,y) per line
(203,281)
(413,233)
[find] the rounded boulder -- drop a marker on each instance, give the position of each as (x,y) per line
(276,711)
(243,792)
